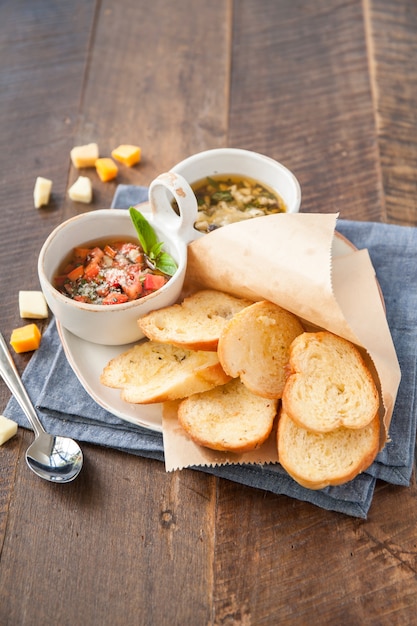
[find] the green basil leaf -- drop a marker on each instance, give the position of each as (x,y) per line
(166,264)
(156,250)
(150,244)
(147,235)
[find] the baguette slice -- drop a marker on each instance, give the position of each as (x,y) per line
(329,384)
(154,372)
(196,323)
(228,418)
(318,460)
(255,345)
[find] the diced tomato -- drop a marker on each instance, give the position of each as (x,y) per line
(132,288)
(96,254)
(91,270)
(125,248)
(114,271)
(103,290)
(115,298)
(120,262)
(80,254)
(114,277)
(111,252)
(133,271)
(153,282)
(76,273)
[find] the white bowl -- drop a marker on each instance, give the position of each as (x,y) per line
(116,324)
(246,163)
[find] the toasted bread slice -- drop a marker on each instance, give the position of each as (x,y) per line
(156,372)
(255,345)
(317,460)
(228,418)
(329,384)
(196,323)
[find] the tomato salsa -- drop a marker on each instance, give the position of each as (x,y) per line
(107,273)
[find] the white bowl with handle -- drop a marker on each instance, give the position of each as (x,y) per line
(116,324)
(236,161)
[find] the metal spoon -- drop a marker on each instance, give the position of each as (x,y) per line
(57,459)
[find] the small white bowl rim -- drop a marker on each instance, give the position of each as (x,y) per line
(246,153)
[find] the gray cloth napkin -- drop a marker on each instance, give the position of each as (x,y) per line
(54,388)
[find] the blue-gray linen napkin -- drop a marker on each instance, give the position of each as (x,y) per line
(53,386)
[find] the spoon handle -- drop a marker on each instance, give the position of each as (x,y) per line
(12,379)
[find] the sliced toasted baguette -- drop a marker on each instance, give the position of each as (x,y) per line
(329,384)
(228,418)
(156,372)
(317,460)
(255,345)
(196,323)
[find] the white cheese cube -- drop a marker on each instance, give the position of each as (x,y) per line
(32,304)
(8,428)
(84,156)
(81,190)
(42,192)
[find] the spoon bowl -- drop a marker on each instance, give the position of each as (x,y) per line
(56,459)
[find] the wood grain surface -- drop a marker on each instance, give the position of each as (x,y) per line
(329,89)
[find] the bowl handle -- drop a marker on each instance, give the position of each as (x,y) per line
(181,224)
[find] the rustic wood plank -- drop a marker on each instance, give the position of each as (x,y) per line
(43,52)
(118,552)
(167,545)
(151,85)
(392,31)
(301,94)
(11,452)
(312,566)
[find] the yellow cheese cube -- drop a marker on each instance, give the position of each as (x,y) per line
(81,190)
(106,169)
(42,192)
(32,304)
(84,156)
(126,154)
(25,338)
(8,428)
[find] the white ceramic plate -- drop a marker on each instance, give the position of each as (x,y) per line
(88,360)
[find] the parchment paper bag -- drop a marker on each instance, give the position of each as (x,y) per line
(300,263)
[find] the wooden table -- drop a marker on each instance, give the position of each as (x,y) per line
(329,88)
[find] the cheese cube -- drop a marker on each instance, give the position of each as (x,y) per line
(81,190)
(26,338)
(8,428)
(126,154)
(84,156)
(42,192)
(106,169)
(32,304)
